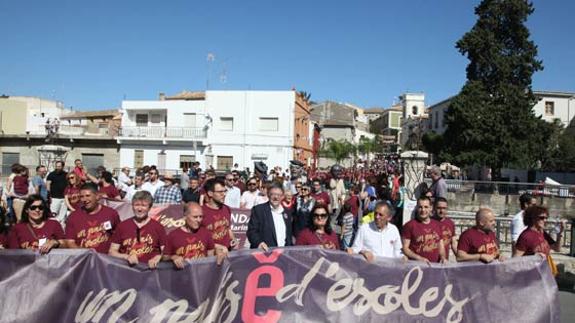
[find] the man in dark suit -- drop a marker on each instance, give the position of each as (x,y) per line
(270,225)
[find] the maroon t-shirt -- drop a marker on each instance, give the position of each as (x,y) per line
(424,238)
(447,229)
(92,230)
(111,191)
(354,203)
(144,242)
(241,186)
(532,242)
(309,238)
(20,236)
(321,197)
(218,222)
(73,194)
(190,245)
(476,241)
(20,184)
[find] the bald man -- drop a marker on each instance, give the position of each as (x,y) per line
(479,243)
(192,241)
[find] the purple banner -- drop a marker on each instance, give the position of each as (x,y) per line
(285,285)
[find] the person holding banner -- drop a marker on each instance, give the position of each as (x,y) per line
(270,225)
(318,230)
(446,225)
(479,243)
(36,230)
(217,215)
(192,241)
(379,237)
(422,235)
(534,239)
(92,225)
(139,239)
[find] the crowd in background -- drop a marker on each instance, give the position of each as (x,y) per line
(357,210)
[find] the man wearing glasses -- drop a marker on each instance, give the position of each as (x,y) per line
(270,225)
(233,193)
(217,215)
(249,198)
(379,237)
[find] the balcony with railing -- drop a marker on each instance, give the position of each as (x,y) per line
(75,131)
(183,133)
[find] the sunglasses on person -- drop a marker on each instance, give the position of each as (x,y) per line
(542,217)
(72,177)
(153,173)
(36,207)
(305,189)
(252,184)
(298,187)
(320,215)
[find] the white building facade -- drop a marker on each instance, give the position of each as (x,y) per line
(551,106)
(414,116)
(219,130)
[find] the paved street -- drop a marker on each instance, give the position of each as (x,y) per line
(567,301)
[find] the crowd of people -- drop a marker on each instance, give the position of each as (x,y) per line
(355,210)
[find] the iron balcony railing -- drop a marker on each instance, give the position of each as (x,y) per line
(163,132)
(72,131)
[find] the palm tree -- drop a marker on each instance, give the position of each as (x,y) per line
(338,150)
(367,146)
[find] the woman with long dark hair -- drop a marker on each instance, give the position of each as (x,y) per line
(36,230)
(318,231)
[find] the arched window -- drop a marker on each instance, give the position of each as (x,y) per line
(414,109)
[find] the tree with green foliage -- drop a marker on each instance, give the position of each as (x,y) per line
(432,142)
(339,150)
(368,146)
(491,121)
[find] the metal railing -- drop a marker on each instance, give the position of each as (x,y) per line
(73,130)
(163,132)
(508,188)
(466,220)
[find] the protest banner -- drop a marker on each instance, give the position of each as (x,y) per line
(297,284)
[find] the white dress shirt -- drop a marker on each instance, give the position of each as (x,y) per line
(384,242)
(151,187)
(232,197)
(517,226)
(279,225)
(249,198)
